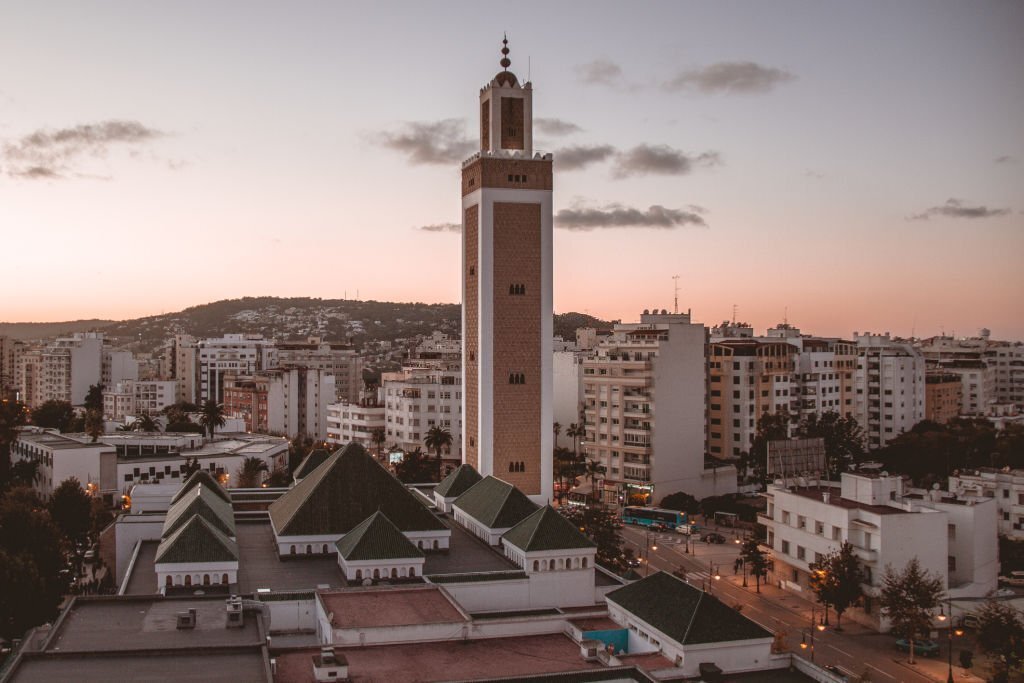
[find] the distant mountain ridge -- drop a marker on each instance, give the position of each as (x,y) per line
(284,318)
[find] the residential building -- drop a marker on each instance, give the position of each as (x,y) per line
(992,372)
(59,457)
(246,397)
(181,358)
(8,363)
(416,399)
(507,323)
(357,422)
(644,396)
(135,397)
(297,400)
(232,354)
(64,369)
(118,366)
(890,387)
(339,360)
(567,390)
(1005,487)
(888,525)
(943,393)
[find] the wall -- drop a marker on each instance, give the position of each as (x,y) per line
(567,376)
(491,596)
(129,530)
(290,616)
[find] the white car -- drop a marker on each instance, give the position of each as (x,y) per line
(684,529)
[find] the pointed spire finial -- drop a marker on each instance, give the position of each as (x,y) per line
(505,61)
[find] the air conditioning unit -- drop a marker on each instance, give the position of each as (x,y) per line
(186,620)
(330,665)
(236,618)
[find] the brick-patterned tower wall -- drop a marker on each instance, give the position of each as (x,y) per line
(513,123)
(517,344)
(471,337)
(485,125)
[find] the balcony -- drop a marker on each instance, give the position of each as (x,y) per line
(762,518)
(865,555)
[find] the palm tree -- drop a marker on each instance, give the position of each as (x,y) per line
(94,424)
(212,417)
(557,429)
(146,423)
(574,432)
(249,472)
(437,439)
(565,470)
(594,470)
(378,436)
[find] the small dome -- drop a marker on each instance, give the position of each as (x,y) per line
(506,78)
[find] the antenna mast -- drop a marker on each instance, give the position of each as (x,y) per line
(675,284)
(734,314)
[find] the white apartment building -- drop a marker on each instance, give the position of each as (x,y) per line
(567,393)
(888,525)
(889,387)
(644,396)
(416,399)
(59,457)
(991,372)
(64,369)
(118,366)
(297,400)
(181,363)
(356,422)
(339,360)
(1005,487)
(232,354)
(138,397)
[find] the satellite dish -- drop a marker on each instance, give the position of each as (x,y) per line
(935,486)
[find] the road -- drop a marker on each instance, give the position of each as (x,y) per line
(851,650)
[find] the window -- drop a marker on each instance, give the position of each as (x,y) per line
(951,531)
(785,517)
(951,563)
(819,528)
(801,552)
(516,378)
(785,547)
(801,522)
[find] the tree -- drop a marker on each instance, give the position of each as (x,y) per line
(191,467)
(844,439)
(565,471)
(575,432)
(601,526)
(186,426)
(683,502)
(594,470)
(212,416)
(279,478)
(847,579)
(179,412)
(755,561)
(415,468)
(378,436)
(908,599)
(12,416)
(54,415)
(437,440)
(71,510)
(145,423)
(770,427)
(557,429)
(25,473)
(1001,632)
(94,398)
(95,426)
(249,472)
(30,562)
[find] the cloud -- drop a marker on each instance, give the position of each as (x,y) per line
(599,72)
(660,160)
(729,77)
(1005,159)
(430,142)
(49,153)
(618,216)
(580,156)
(556,126)
(441,227)
(954,208)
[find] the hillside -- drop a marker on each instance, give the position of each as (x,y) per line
(284,318)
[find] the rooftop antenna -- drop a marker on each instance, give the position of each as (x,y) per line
(734,314)
(785,315)
(675,279)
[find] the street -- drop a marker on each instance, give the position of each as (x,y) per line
(851,650)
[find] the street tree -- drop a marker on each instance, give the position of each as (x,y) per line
(438,439)
(565,471)
(755,561)
(145,423)
(415,467)
(847,581)
(601,526)
(682,502)
(212,416)
(53,414)
(249,472)
(71,510)
(909,598)
(191,467)
(843,436)
(95,426)
(1001,633)
(94,398)
(594,471)
(378,436)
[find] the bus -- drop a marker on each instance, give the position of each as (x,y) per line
(648,516)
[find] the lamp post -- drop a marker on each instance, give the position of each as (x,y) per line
(648,547)
(743,562)
(819,626)
(950,632)
(712,575)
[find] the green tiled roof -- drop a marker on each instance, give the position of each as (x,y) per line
(311,462)
(200,477)
(200,500)
(376,539)
(545,529)
(458,482)
(346,489)
(477,577)
(495,504)
(196,541)
(684,613)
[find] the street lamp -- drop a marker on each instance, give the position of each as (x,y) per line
(950,632)
(648,547)
(819,626)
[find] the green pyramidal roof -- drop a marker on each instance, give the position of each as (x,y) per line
(458,482)
(545,529)
(376,538)
(200,500)
(495,503)
(206,479)
(311,462)
(684,613)
(347,488)
(196,541)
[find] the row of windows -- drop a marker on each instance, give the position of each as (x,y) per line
(517,466)
(516,378)
(517,290)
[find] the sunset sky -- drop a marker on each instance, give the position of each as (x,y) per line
(859,164)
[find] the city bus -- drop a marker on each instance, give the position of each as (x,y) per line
(648,516)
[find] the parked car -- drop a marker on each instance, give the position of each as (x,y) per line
(713,538)
(1004,593)
(925,648)
(633,562)
(685,529)
(657,526)
(837,672)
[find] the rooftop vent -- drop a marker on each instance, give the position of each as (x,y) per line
(187,620)
(236,619)
(330,665)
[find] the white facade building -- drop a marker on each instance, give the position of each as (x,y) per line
(417,399)
(567,392)
(138,397)
(297,400)
(59,457)
(1005,487)
(232,354)
(66,368)
(118,366)
(355,422)
(890,387)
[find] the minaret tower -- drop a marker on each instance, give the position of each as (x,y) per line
(506,293)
